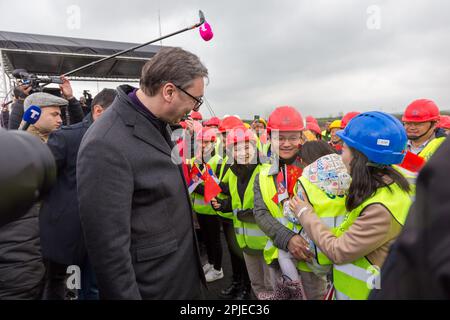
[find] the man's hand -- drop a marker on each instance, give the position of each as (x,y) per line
(216,205)
(66,88)
(299,248)
(190,125)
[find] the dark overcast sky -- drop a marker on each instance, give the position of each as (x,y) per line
(317,55)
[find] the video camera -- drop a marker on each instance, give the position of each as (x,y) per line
(37,83)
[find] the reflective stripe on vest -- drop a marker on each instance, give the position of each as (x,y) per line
(248,234)
(355,280)
(224,178)
(268,190)
(350,280)
(431,148)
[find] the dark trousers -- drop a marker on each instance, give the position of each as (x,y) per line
(55,286)
(89,288)
(238,267)
(210,231)
(55,282)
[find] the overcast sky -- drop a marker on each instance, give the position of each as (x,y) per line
(321,56)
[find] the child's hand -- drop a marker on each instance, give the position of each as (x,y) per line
(216,205)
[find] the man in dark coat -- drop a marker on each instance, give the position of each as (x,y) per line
(135,208)
(418,266)
(60,227)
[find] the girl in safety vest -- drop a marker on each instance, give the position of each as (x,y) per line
(208,220)
(239,288)
(324,182)
(377,204)
(241,144)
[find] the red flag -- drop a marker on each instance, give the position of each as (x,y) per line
(413,162)
(285,182)
(293,173)
(212,188)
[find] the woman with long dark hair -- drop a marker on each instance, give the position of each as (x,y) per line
(377,204)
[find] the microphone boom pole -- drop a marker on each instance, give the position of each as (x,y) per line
(202,20)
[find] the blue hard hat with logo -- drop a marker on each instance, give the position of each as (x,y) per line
(378,135)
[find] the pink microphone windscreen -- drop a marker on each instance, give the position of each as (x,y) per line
(206,32)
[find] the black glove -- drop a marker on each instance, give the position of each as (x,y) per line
(246,216)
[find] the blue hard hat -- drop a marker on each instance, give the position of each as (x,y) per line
(378,135)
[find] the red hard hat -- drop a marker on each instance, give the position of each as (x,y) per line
(214,121)
(348,116)
(314,127)
(239,135)
(195,115)
(444,122)
(229,123)
(311,119)
(285,119)
(422,110)
(206,134)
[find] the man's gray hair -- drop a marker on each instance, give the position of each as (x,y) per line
(174,65)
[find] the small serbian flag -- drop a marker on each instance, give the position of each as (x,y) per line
(413,162)
(282,192)
(195,178)
(212,188)
(285,182)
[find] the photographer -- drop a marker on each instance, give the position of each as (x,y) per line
(20,93)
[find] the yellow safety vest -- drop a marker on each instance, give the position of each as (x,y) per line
(426,154)
(431,148)
(353,281)
(263,147)
(247,234)
(268,190)
(223,177)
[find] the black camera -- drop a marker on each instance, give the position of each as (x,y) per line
(87,98)
(27,172)
(37,83)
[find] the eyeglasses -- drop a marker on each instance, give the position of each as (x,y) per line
(291,140)
(414,124)
(198,101)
